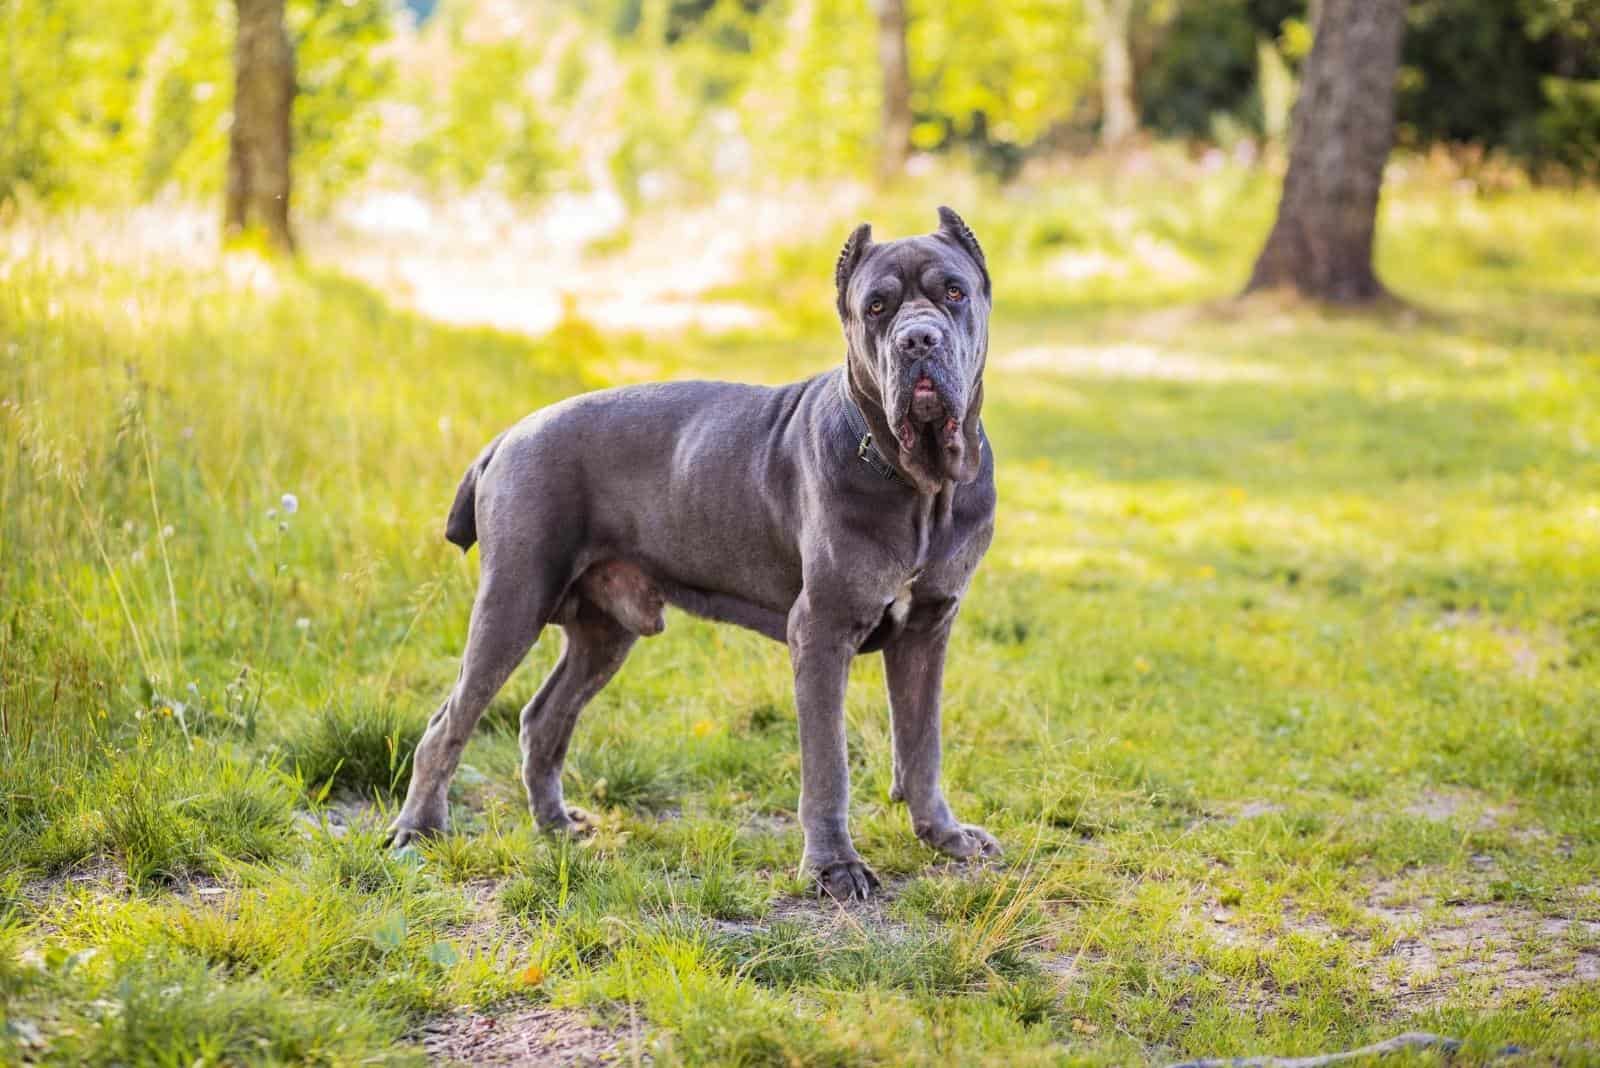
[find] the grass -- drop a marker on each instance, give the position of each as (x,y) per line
(1278,679)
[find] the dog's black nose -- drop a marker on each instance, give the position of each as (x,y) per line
(918,339)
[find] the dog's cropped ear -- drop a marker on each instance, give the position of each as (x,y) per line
(958,231)
(849,257)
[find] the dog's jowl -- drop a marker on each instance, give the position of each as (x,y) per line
(840,515)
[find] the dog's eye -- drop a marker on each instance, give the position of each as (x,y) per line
(954,292)
(875,308)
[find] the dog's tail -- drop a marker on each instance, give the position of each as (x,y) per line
(461,528)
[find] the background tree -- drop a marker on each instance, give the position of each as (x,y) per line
(1119,117)
(259,141)
(1343,127)
(895,132)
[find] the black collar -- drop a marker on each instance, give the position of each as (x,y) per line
(861,435)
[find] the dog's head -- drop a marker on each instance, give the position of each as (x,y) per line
(916,317)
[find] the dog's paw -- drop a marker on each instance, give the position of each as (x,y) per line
(575,822)
(964,841)
(403,835)
(844,880)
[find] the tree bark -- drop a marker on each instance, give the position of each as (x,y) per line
(1113,20)
(259,142)
(1341,132)
(895,134)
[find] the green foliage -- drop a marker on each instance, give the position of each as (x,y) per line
(489,131)
(1445,91)
(1202,64)
(629,776)
(1482,71)
(1568,130)
(996,76)
(172,1009)
(355,747)
(70,105)
(1503,76)
(661,100)
(167,811)
(819,116)
(113,101)
(340,77)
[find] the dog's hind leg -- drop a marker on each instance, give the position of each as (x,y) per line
(594,645)
(506,619)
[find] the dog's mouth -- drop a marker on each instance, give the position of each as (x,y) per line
(929,431)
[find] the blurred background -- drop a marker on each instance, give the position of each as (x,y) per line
(408,141)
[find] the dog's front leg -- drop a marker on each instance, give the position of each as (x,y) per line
(820,651)
(914,665)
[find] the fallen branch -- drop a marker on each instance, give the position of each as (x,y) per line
(1409,1040)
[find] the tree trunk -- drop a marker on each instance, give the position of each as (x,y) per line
(259,141)
(1341,132)
(895,143)
(1119,118)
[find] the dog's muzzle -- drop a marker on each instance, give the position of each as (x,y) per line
(929,399)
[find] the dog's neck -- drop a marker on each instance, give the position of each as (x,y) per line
(862,434)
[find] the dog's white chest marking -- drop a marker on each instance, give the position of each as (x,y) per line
(900,607)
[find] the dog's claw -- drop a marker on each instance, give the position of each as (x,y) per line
(845,880)
(577,823)
(401,836)
(965,841)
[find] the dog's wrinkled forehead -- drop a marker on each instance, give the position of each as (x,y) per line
(912,264)
(910,267)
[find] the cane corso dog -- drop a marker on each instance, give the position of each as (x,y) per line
(840,515)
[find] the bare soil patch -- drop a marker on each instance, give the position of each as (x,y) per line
(545,1036)
(831,918)
(1442,805)
(338,817)
(99,874)
(1441,947)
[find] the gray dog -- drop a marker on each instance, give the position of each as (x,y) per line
(841,515)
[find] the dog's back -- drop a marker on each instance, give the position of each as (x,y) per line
(634,428)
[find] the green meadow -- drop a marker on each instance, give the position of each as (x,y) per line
(1279,683)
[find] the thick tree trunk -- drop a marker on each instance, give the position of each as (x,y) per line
(895,134)
(1341,132)
(1113,21)
(259,142)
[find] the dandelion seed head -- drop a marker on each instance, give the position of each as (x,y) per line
(167,531)
(291,504)
(272,513)
(303,623)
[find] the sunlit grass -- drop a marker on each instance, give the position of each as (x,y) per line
(1268,583)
